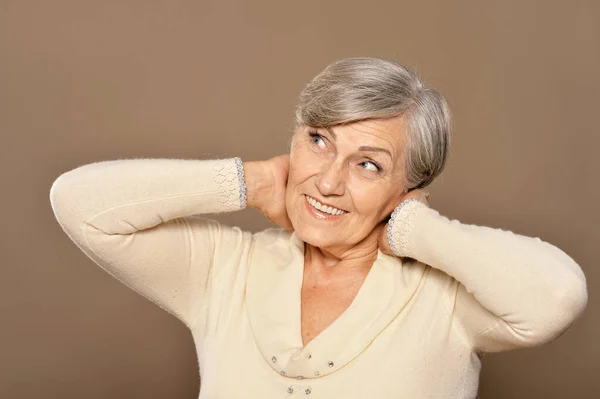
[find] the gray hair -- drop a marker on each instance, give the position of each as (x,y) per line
(355,89)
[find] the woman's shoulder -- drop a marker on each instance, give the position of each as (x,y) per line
(232,235)
(433,277)
(273,237)
(277,244)
(272,234)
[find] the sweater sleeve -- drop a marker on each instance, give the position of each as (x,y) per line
(136,219)
(513,291)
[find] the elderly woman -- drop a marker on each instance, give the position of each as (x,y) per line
(364,291)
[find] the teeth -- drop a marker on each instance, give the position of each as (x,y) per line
(323,208)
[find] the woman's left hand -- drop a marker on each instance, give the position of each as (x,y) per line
(384,245)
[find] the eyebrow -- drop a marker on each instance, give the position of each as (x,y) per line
(374,149)
(364,147)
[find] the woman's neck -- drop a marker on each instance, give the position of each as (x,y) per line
(342,259)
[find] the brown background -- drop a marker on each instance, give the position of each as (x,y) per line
(84,81)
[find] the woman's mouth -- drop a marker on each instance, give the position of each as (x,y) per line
(322,211)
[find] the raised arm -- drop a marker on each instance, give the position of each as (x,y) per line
(135,219)
(514,291)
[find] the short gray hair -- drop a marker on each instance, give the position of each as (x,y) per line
(360,88)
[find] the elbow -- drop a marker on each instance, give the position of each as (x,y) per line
(68,191)
(66,201)
(571,296)
(566,305)
(567,296)
(58,195)
(573,300)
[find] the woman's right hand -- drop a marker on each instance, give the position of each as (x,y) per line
(266,183)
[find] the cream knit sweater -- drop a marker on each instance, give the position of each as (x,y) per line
(415,329)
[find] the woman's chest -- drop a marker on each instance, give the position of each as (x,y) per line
(413,357)
(322,305)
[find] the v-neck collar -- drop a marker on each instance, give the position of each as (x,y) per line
(273,297)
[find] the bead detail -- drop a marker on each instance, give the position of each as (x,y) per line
(274,359)
(290,390)
(317,373)
(330,364)
(299,377)
(308,391)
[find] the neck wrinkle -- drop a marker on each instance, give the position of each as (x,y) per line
(356,257)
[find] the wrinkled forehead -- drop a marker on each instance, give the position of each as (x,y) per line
(391,130)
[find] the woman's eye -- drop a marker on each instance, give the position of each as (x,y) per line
(370,166)
(317,139)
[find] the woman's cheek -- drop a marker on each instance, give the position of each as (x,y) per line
(314,163)
(307,163)
(367,196)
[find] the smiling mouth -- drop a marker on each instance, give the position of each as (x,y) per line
(324,208)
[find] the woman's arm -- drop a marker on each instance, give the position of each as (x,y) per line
(514,291)
(134,218)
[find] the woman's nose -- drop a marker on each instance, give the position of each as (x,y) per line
(331,181)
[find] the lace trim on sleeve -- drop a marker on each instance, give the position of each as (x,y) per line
(400,225)
(240,171)
(229,177)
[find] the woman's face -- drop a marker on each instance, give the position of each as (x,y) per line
(356,168)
